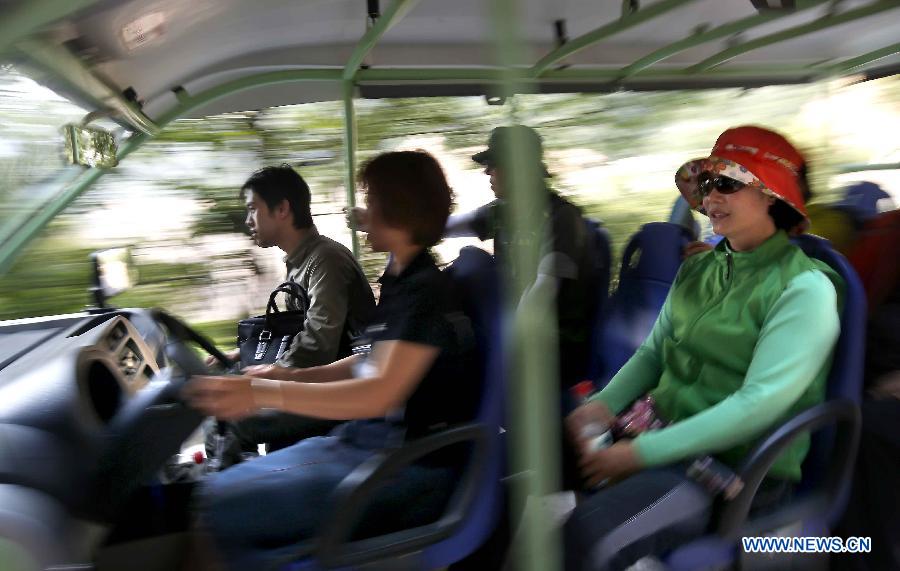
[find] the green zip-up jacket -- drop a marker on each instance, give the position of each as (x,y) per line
(743,342)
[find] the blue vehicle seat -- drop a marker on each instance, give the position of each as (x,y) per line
(602,268)
(602,258)
(823,492)
(476,506)
(649,265)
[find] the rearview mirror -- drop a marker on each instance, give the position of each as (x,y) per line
(114,273)
(90,146)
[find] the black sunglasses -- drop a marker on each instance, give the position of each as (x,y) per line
(707,182)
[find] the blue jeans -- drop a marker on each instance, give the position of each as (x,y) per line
(261,509)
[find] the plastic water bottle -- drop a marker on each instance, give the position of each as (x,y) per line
(596,433)
(214,464)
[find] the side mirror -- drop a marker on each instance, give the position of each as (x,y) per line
(90,146)
(114,273)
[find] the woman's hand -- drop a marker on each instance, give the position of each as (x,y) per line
(227,398)
(593,412)
(271,372)
(357,218)
(613,464)
(234,355)
(695,248)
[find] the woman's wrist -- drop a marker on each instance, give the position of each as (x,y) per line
(267,393)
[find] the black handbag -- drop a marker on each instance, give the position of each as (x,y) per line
(265,338)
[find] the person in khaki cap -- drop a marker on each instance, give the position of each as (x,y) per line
(567,264)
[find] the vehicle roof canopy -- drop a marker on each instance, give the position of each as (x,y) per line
(96,50)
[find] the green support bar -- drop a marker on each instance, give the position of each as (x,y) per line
(12,243)
(60,62)
(823,23)
(350,150)
(600,75)
(742,72)
(873,167)
(853,64)
(532,377)
(27,17)
(186,104)
(604,32)
(393,15)
(713,34)
(15,244)
(449,74)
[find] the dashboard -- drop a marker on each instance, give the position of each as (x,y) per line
(117,365)
(82,366)
(89,408)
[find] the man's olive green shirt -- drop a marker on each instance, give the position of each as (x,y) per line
(340,300)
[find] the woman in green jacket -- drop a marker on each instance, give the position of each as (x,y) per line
(743,342)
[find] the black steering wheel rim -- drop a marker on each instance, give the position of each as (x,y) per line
(179,334)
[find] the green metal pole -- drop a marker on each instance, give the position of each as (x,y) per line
(60,62)
(823,23)
(604,32)
(731,72)
(532,382)
(852,64)
(367,43)
(350,156)
(390,17)
(713,34)
(871,167)
(11,248)
(450,76)
(187,103)
(13,243)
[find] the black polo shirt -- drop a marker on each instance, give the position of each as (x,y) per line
(419,306)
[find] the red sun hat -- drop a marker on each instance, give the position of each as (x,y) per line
(757,157)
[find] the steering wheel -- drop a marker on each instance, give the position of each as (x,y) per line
(177,350)
(153,423)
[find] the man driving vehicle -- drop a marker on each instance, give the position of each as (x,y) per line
(340,301)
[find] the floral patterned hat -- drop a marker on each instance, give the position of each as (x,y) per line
(757,157)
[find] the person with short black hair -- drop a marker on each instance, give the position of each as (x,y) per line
(340,303)
(274,184)
(412,375)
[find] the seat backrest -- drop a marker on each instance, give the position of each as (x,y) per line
(601,255)
(846,377)
(874,257)
(649,265)
(476,279)
(845,381)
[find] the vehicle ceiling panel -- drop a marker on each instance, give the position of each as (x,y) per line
(202,40)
